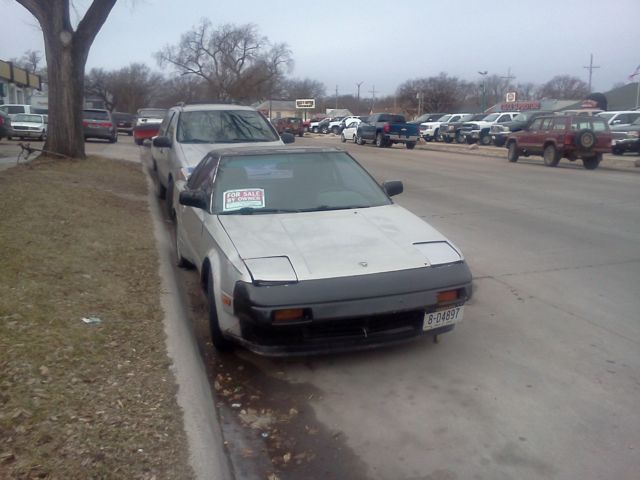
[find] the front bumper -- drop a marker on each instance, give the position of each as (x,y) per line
(26,133)
(347,313)
(626,145)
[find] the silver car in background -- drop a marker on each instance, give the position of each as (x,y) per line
(301,251)
(29,125)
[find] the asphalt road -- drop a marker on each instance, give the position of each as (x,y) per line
(541,380)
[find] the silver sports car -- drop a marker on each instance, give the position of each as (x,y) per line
(301,251)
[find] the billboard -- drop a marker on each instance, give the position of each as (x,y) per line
(305,103)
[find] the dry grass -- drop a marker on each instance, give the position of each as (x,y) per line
(78,400)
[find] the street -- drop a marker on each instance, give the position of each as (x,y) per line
(541,380)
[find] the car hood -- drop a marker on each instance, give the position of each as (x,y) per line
(337,243)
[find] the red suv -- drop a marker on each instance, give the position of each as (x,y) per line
(570,136)
(293,125)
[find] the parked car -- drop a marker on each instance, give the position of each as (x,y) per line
(479,131)
(98,123)
(387,129)
(314,124)
(500,131)
(620,118)
(427,117)
(148,122)
(322,126)
(334,125)
(13,109)
(349,132)
(293,125)
(301,251)
(430,130)
(626,138)
(25,125)
(188,132)
(450,130)
(124,122)
(562,136)
(5,125)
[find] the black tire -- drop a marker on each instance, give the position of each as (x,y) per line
(217,338)
(459,138)
(301,134)
(448,139)
(335,130)
(160,190)
(314,130)
(499,142)
(380,143)
(591,163)
(485,139)
(586,139)
(168,198)
(410,145)
(138,141)
(470,141)
(324,130)
(551,156)
(342,138)
(428,139)
(436,135)
(617,151)
(359,140)
(514,152)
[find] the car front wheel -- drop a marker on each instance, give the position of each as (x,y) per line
(551,156)
(380,141)
(342,138)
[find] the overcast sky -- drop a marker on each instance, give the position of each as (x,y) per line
(382,43)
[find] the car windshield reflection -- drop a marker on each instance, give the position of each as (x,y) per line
(304,182)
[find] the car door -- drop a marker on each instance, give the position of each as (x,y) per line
(190,220)
(528,134)
(160,155)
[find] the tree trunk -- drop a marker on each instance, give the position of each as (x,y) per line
(66,51)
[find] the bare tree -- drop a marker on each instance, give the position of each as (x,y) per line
(564,87)
(235,61)
(99,84)
(439,94)
(294,88)
(135,86)
(31,60)
(66,51)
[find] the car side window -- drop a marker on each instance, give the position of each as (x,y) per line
(504,118)
(546,124)
(558,124)
(536,124)
(164,126)
(202,172)
(172,126)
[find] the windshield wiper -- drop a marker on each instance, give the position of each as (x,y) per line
(322,208)
(252,210)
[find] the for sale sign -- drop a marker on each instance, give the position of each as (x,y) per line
(243,197)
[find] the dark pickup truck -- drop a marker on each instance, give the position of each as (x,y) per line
(385,129)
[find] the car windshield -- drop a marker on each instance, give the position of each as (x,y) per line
(27,119)
(522,117)
(294,182)
(224,126)
(152,112)
(491,118)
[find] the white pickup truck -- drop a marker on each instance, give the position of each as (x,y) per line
(431,130)
(478,131)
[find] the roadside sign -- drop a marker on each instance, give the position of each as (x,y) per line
(305,103)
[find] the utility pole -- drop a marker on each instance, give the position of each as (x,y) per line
(358,85)
(373,97)
(591,67)
(336,97)
(508,78)
(484,89)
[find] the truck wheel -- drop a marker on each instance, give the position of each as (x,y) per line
(217,338)
(551,156)
(617,151)
(499,142)
(585,139)
(459,138)
(380,143)
(485,139)
(591,163)
(513,153)
(436,135)
(359,140)
(448,139)
(410,145)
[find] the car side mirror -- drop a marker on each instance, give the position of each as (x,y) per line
(394,187)
(288,137)
(161,142)
(194,198)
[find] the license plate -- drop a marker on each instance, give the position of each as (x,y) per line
(440,318)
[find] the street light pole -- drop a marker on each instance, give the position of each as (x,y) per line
(484,89)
